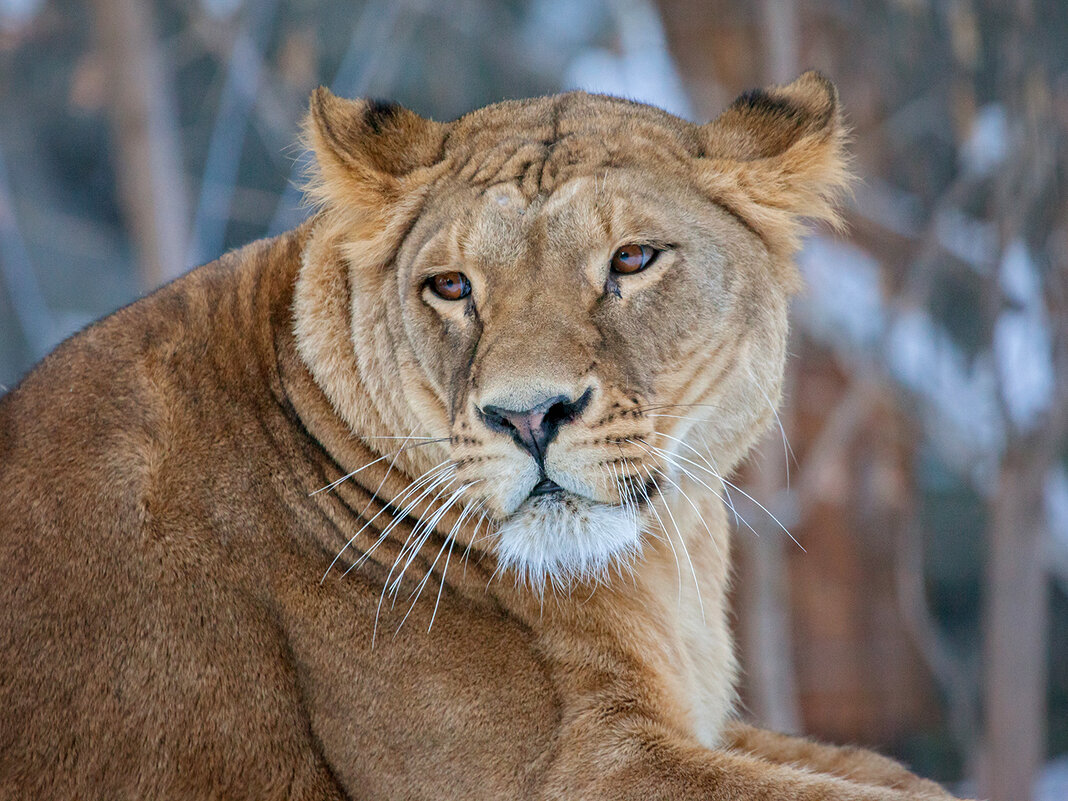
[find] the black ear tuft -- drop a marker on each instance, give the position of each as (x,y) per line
(763,123)
(776,156)
(364,147)
(380,113)
(760,101)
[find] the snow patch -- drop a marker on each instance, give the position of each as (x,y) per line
(16,14)
(987,144)
(221,9)
(891,207)
(972,241)
(1024,356)
(1055,497)
(642,70)
(1051,784)
(1023,349)
(961,394)
(844,297)
(564,23)
(1019,277)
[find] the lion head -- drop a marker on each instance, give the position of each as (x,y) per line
(568,302)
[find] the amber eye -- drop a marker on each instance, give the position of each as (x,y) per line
(450,286)
(633,258)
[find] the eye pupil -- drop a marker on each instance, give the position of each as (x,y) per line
(633,258)
(450,286)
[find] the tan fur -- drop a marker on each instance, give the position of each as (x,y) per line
(187,613)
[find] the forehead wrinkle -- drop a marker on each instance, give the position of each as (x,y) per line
(562,194)
(437,240)
(538,166)
(414,249)
(497,234)
(574,215)
(604,212)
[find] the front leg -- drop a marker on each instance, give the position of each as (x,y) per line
(855,764)
(629,760)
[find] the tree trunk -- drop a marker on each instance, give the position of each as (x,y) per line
(764,581)
(1015,642)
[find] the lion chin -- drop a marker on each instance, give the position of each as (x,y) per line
(562,539)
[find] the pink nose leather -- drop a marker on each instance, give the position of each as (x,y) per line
(533,429)
(528,429)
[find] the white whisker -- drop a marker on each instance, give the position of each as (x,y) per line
(474,536)
(450,540)
(717,476)
(711,469)
(422,531)
(347,476)
(672,459)
(767,512)
(435,439)
(447,478)
(432,524)
(667,539)
(382,483)
(726,492)
(681,417)
(431,478)
(682,542)
(333,484)
(444,570)
(700,516)
(787,451)
(413,485)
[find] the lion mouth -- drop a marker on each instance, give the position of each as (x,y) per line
(546,487)
(557,537)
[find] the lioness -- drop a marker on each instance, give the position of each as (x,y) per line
(423,499)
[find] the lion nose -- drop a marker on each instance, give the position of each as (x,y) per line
(534,428)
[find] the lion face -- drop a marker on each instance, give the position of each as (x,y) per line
(556,372)
(579,295)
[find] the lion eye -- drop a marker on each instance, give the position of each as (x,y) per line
(633,258)
(450,286)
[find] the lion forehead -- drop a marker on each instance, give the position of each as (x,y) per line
(540,144)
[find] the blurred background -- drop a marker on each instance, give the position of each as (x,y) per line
(922,461)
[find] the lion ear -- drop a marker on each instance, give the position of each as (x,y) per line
(365,149)
(777,155)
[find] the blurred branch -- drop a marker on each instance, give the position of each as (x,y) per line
(955,680)
(1016,609)
(839,428)
(239,94)
(1016,614)
(147,152)
(276,105)
(373,37)
(18,278)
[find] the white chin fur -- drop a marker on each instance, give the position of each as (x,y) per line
(563,538)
